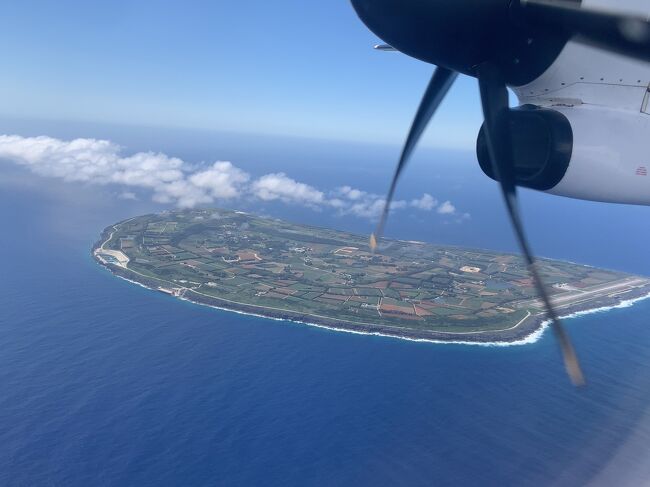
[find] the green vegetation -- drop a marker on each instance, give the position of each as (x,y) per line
(332,275)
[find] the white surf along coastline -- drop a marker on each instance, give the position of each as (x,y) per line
(531,338)
(121,263)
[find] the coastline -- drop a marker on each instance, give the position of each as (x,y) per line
(528,331)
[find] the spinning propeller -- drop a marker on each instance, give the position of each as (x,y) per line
(501,43)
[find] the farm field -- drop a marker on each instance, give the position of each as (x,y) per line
(240,261)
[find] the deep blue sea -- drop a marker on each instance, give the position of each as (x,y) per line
(104,383)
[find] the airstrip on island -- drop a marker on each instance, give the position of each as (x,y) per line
(238,261)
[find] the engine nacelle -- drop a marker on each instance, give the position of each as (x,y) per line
(542,144)
(584,151)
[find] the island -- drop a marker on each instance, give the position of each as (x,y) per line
(263,266)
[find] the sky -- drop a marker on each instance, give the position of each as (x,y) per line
(286,67)
(173,181)
(144,104)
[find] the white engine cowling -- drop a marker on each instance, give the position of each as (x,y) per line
(605,100)
(584,152)
(611,156)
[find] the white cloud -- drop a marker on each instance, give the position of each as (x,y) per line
(279,186)
(427,202)
(100,162)
(337,203)
(367,209)
(182,194)
(127,195)
(222,180)
(447,208)
(372,206)
(350,193)
(170,180)
(368,205)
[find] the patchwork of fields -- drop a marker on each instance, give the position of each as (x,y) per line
(272,264)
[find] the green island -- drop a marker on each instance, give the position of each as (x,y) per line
(269,267)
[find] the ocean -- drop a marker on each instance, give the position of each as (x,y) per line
(105,383)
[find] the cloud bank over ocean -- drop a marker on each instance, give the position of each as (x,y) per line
(173,181)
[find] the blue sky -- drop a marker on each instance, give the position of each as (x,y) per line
(284,67)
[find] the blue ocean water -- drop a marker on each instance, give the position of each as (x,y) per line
(105,383)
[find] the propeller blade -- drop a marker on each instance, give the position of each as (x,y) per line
(623,34)
(494,98)
(439,85)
